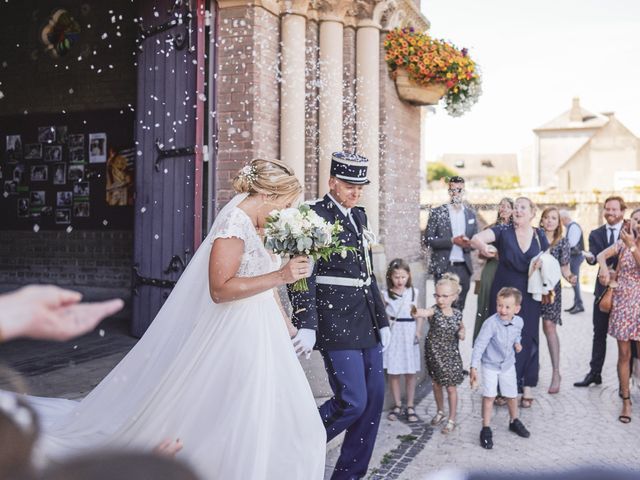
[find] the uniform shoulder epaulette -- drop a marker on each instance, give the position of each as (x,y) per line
(313,202)
(360,207)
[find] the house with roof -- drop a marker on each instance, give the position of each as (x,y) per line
(581,151)
(478,169)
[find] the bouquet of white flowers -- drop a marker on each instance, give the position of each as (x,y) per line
(301,231)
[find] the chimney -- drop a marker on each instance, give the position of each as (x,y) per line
(576,112)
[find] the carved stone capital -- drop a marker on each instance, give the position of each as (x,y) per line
(332,10)
(404,13)
(295,7)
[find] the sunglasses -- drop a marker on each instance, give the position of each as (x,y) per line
(436,295)
(456,190)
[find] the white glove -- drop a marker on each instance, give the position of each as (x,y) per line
(304,341)
(385,337)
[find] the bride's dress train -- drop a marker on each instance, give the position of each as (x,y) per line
(223,378)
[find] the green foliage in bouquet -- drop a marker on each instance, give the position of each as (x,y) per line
(301,231)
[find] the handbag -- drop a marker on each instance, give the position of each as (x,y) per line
(547,298)
(605,300)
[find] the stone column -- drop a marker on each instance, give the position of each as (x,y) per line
(292,93)
(368,116)
(330,137)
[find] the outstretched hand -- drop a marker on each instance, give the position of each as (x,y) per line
(48,312)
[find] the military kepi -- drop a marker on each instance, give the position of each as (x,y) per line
(350,168)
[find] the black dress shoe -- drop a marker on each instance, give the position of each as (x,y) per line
(589,379)
(519,429)
(486,438)
(570,308)
(575,310)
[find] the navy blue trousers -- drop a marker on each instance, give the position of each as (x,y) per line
(357,381)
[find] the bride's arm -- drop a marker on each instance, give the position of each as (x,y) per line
(224,262)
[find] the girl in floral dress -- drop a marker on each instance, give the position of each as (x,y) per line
(624,319)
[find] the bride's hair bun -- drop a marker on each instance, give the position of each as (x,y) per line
(269,177)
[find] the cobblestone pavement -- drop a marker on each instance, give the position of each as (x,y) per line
(575,428)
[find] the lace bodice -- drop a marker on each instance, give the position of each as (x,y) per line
(256,260)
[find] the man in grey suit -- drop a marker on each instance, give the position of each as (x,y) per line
(448,233)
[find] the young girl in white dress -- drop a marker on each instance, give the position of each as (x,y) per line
(216,368)
(402,357)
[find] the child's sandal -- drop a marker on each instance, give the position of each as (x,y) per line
(449,427)
(410,415)
(394,413)
(438,418)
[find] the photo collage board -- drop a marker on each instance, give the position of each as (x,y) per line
(53,170)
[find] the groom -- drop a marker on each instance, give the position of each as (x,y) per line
(343,316)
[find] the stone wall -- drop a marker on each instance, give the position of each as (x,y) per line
(248,92)
(97,264)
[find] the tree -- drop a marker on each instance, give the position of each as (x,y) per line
(437,171)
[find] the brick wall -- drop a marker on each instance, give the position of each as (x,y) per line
(312,108)
(33,81)
(248,92)
(98,264)
(399,171)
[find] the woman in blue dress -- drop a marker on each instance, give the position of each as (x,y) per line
(517,245)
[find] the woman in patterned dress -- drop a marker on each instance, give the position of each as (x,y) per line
(552,312)
(441,347)
(624,319)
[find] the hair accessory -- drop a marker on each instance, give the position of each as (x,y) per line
(249,172)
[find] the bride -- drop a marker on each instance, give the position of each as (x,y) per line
(216,369)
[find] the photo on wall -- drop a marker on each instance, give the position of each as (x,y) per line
(20,174)
(46,134)
(63,216)
(76,155)
(76,140)
(62,134)
(14,148)
(59,173)
(10,187)
(97,147)
(23,207)
(75,173)
(120,174)
(37,198)
(81,209)
(81,189)
(64,199)
(53,153)
(33,151)
(39,173)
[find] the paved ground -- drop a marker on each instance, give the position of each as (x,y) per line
(577,427)
(574,428)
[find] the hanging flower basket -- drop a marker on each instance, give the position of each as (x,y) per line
(426,70)
(411,92)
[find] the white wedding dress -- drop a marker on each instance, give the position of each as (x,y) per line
(223,378)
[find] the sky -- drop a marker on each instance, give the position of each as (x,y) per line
(535,57)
